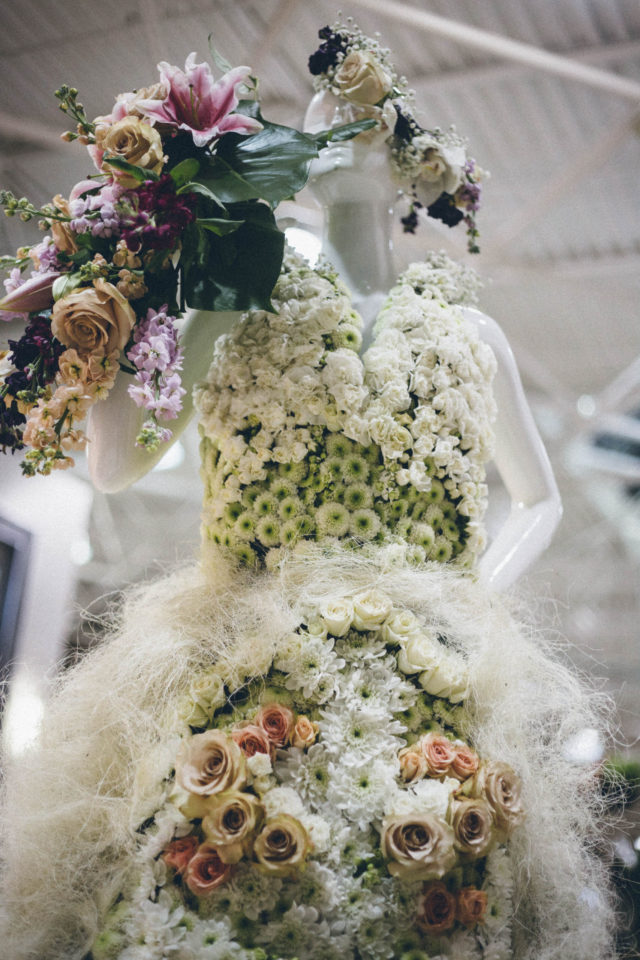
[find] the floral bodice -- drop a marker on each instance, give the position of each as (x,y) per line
(303,438)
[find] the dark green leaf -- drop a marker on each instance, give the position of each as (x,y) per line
(220,183)
(345,132)
(274,161)
(65,284)
(138,173)
(184,171)
(218,225)
(237,271)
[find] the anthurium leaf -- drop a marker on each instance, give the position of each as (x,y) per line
(202,190)
(237,271)
(184,171)
(274,161)
(345,132)
(218,225)
(220,182)
(138,173)
(221,62)
(65,284)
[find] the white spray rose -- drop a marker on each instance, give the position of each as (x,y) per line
(370,609)
(450,679)
(419,653)
(337,615)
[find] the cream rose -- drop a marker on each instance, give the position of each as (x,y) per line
(503,792)
(277,722)
(450,679)
(210,763)
(63,236)
(133,140)
(471,906)
(282,846)
(231,821)
(362,79)
(419,653)
(370,609)
(413,764)
(418,846)
(206,870)
(437,911)
(305,732)
(472,824)
(337,615)
(93,320)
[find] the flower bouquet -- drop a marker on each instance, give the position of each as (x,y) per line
(179,213)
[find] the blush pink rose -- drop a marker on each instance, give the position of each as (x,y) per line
(277,722)
(179,853)
(252,739)
(439,754)
(465,762)
(206,870)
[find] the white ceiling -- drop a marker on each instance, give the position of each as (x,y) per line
(560,230)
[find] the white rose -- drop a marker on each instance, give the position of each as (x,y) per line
(400,625)
(419,653)
(450,679)
(370,609)
(259,765)
(337,615)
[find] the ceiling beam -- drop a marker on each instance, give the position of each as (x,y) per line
(504,47)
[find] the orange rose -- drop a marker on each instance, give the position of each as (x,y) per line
(439,754)
(252,739)
(179,853)
(304,732)
(92,320)
(206,871)
(471,906)
(437,910)
(277,722)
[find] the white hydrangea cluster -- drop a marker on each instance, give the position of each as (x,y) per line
(302,439)
(344,701)
(430,376)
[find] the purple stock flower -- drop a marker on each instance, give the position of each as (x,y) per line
(196,103)
(157,358)
(97,213)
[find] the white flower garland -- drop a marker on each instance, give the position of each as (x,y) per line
(304,439)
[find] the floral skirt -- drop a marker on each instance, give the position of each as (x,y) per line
(348,757)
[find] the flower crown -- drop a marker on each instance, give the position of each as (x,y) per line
(180,212)
(432,166)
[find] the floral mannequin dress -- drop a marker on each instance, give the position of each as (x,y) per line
(327,739)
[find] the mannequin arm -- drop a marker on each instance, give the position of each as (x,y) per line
(524,467)
(114,460)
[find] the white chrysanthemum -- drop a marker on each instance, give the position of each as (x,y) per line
(424,796)
(361,791)
(250,891)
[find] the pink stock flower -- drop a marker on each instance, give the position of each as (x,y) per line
(195,102)
(34,294)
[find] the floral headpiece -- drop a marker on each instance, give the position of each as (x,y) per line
(433,168)
(180,213)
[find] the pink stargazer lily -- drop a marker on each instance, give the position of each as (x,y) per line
(33,294)
(197,103)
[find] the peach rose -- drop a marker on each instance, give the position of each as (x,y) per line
(437,909)
(465,762)
(282,846)
(232,819)
(418,846)
(413,764)
(503,791)
(179,853)
(304,732)
(277,722)
(471,906)
(472,824)
(63,236)
(361,79)
(210,763)
(133,140)
(93,320)
(439,754)
(206,870)
(252,739)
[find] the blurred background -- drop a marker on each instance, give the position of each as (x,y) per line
(548,93)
